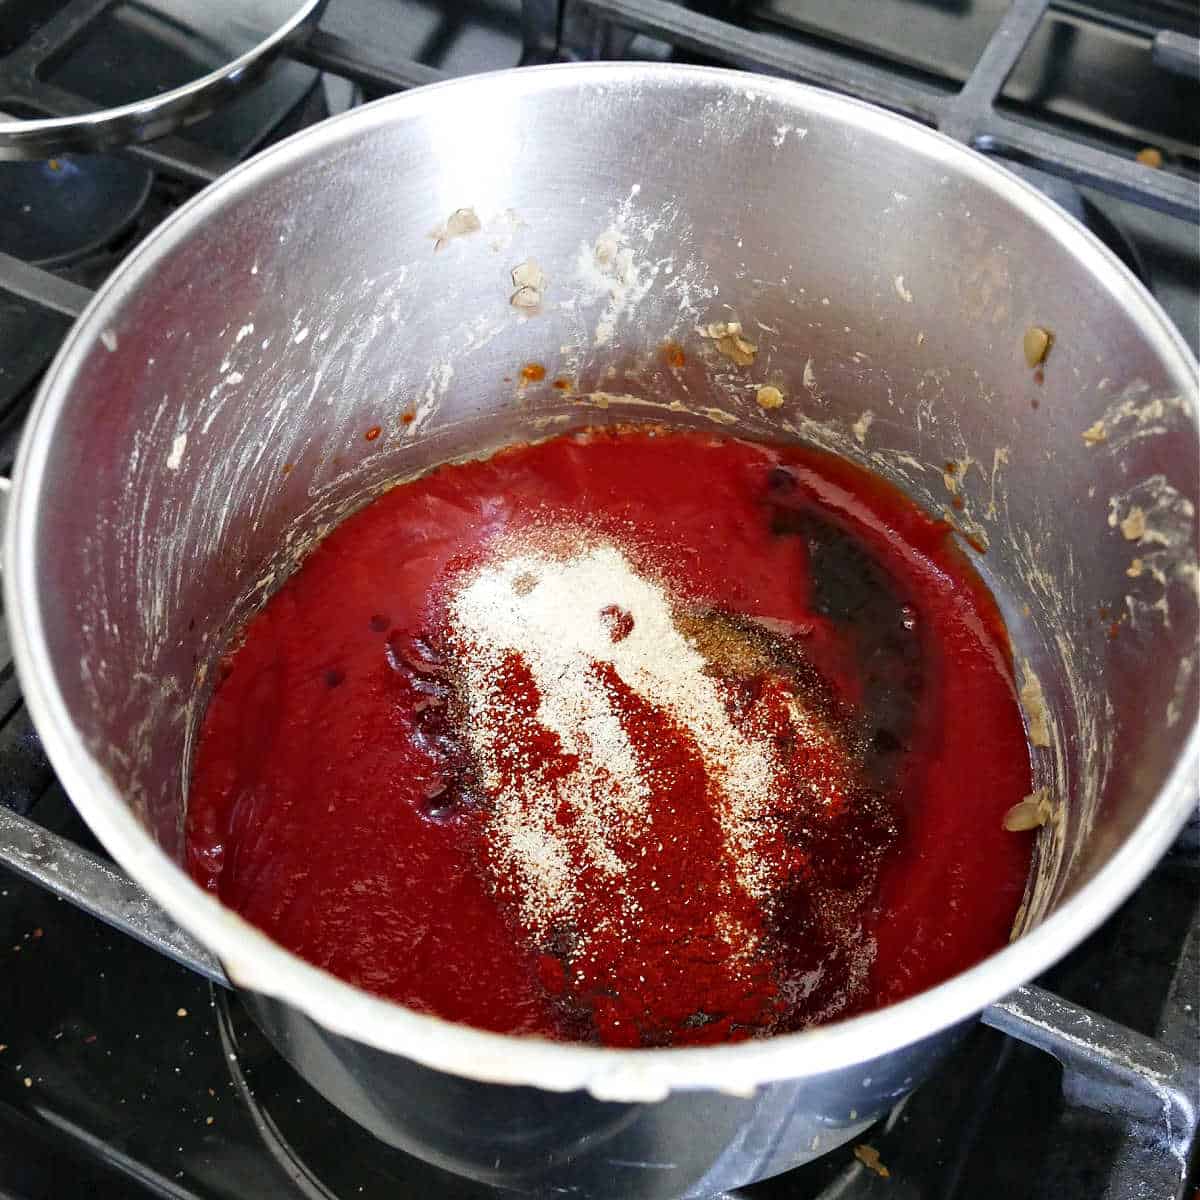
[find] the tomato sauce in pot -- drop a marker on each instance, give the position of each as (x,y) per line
(631,736)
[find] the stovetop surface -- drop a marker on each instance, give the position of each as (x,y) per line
(124,1075)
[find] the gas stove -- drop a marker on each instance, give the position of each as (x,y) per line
(124,1073)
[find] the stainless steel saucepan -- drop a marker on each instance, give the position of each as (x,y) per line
(204,423)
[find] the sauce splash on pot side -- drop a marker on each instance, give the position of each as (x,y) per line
(631,736)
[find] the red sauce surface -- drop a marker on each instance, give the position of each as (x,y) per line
(334,804)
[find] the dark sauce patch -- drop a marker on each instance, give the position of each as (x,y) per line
(446,784)
(851,588)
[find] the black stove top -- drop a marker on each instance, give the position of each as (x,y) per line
(123,1074)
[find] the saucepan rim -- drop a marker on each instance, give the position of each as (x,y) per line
(252,960)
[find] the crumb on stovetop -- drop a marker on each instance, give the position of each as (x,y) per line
(869,1157)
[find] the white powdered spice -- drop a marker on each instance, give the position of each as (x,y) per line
(558,615)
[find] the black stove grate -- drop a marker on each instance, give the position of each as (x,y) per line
(969,113)
(1124,1125)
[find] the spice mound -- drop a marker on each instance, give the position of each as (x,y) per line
(628,737)
(648,805)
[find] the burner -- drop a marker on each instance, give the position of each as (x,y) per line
(56,212)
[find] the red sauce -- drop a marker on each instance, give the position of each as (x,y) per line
(335,804)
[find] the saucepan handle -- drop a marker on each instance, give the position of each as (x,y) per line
(88,881)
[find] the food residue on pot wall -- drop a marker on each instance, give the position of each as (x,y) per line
(458,224)
(1033,701)
(1036,345)
(1031,813)
(529,280)
(731,342)
(1153,515)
